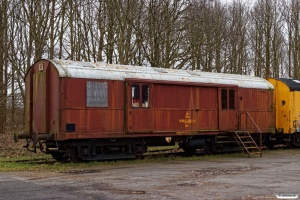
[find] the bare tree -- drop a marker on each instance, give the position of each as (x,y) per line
(292,18)
(162,32)
(207,34)
(126,14)
(35,16)
(237,42)
(100,29)
(3,62)
(267,38)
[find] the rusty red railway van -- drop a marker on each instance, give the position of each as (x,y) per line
(89,111)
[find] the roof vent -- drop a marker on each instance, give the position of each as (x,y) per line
(86,64)
(193,73)
(160,70)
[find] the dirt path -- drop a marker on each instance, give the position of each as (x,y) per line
(211,178)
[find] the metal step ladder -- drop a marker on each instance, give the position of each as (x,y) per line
(246,142)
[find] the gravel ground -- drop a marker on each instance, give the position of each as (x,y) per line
(236,177)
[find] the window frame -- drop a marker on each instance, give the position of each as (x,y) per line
(140,96)
(135,95)
(228,99)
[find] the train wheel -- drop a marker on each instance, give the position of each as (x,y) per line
(208,148)
(270,144)
(74,155)
(59,156)
(140,150)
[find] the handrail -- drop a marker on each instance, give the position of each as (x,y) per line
(260,133)
(253,122)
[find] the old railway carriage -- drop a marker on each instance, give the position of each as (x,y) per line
(94,111)
(287,109)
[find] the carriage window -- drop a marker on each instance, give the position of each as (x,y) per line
(145,96)
(135,95)
(224,99)
(231,100)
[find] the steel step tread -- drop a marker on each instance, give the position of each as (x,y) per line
(258,152)
(221,142)
(244,136)
(223,136)
(252,147)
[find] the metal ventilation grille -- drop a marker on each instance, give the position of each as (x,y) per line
(96,94)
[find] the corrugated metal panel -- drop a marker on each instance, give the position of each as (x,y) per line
(101,70)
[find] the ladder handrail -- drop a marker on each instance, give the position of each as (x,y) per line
(260,133)
(253,121)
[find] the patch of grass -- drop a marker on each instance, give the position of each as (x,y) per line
(40,163)
(163,148)
(47,163)
(22,163)
(43,162)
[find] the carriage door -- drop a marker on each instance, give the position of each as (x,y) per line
(228,109)
(39,102)
(139,109)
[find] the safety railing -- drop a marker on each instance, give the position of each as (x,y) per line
(246,123)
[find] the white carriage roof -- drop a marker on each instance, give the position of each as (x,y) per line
(102,70)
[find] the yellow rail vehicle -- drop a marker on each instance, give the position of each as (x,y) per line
(287,109)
